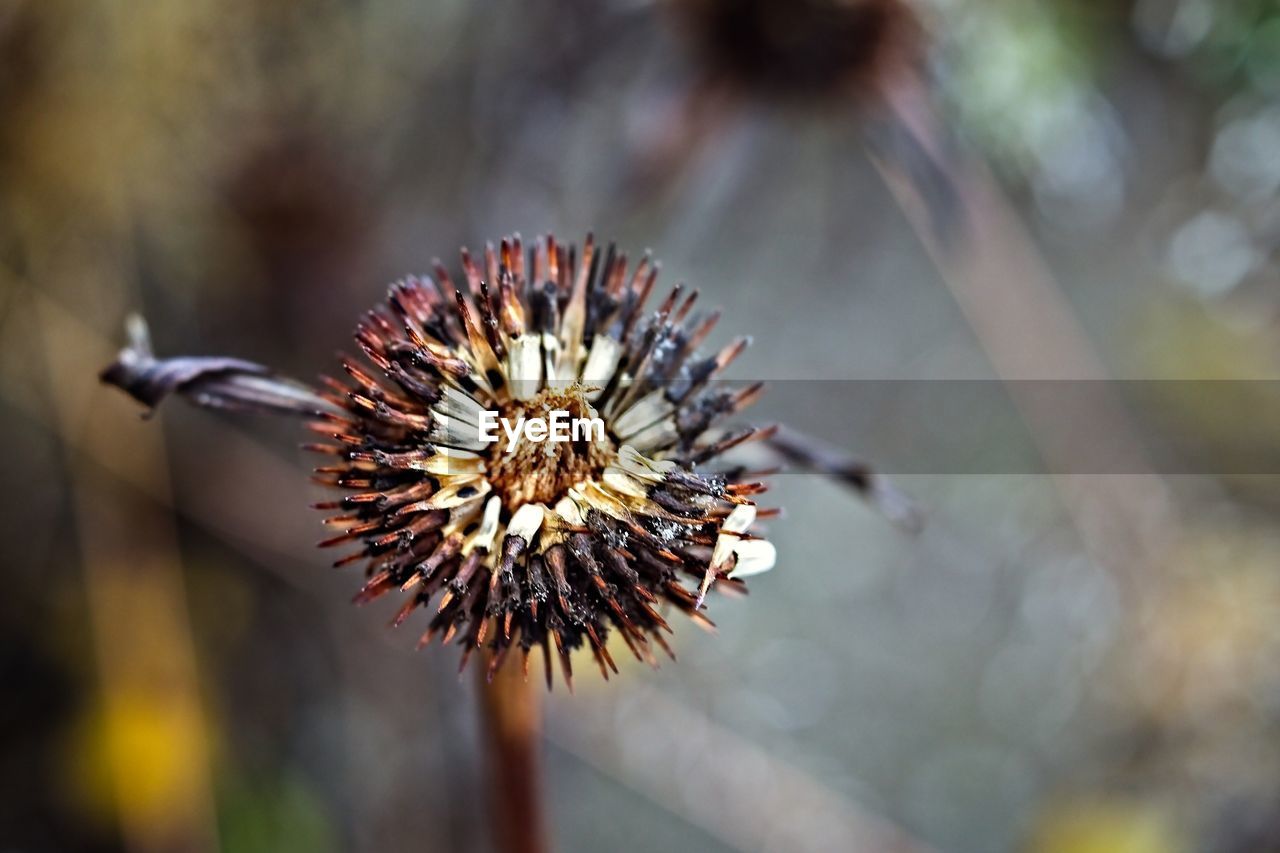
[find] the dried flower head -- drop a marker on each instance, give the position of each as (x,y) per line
(802,48)
(550,544)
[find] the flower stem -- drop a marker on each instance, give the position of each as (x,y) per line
(510,717)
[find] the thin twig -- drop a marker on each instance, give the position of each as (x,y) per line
(878,490)
(136,601)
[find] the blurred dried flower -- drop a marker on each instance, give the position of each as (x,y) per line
(554,544)
(844,57)
(806,48)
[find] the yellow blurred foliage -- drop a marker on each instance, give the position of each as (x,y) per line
(1104,826)
(144,756)
(1186,339)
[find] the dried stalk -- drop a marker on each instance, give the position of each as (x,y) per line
(511,719)
(1026,326)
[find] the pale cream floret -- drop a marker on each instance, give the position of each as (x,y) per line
(567,508)
(602,363)
(650,408)
(599,499)
(642,467)
(551,360)
(484,536)
(656,436)
(753,557)
(524,366)
(458,404)
(526,521)
(750,556)
(620,481)
(456,432)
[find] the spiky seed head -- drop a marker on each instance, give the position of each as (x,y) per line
(554,545)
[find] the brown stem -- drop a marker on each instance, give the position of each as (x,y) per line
(1029,330)
(511,718)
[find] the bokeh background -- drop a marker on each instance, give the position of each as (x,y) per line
(1063,663)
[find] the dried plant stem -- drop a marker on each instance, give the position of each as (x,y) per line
(1016,308)
(510,718)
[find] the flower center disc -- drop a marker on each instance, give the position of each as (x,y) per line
(542,472)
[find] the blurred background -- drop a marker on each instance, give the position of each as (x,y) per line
(1070,658)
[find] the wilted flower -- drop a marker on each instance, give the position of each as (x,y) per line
(843,58)
(526,543)
(803,48)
